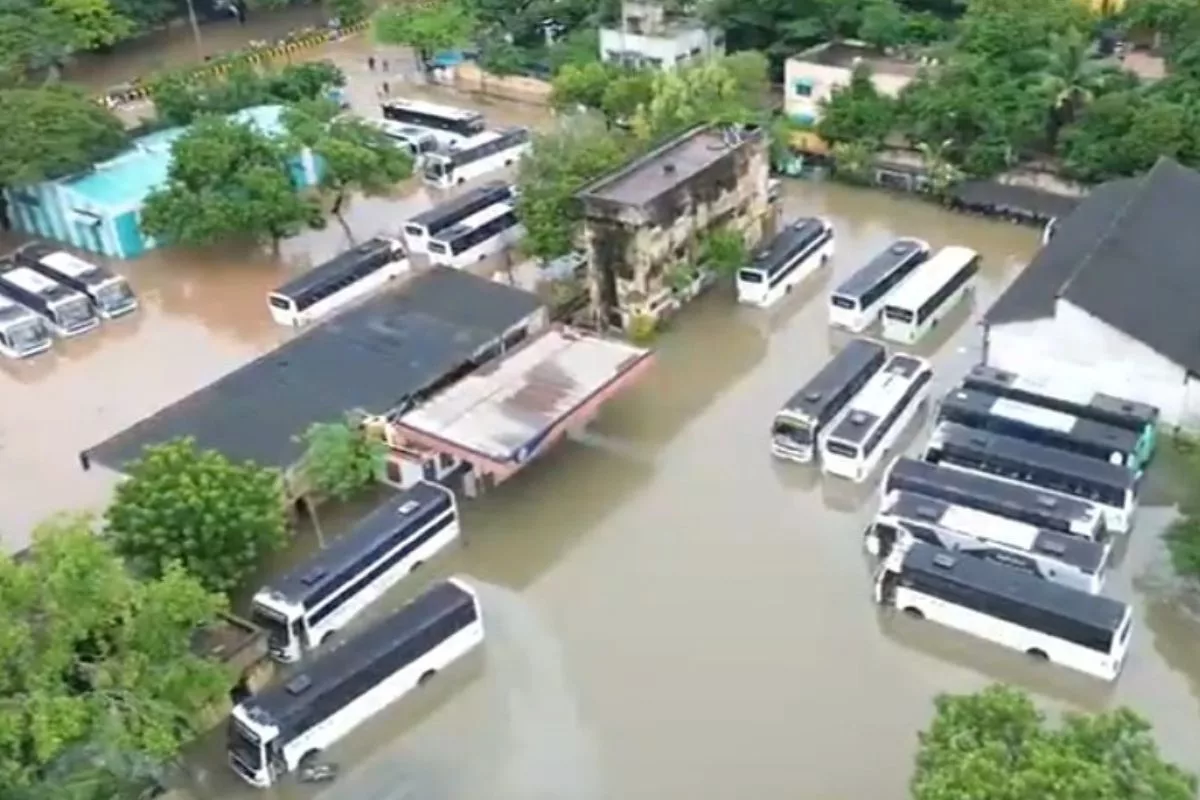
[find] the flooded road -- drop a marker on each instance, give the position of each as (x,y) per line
(673,613)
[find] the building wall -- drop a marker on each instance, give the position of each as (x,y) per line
(666,51)
(807,85)
(1076,345)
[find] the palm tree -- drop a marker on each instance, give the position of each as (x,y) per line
(1071,81)
(941,171)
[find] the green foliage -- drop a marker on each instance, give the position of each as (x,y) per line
(642,329)
(706,93)
(197,508)
(854,161)
(857,112)
(626,92)
(723,251)
(884,24)
(580,46)
(429,27)
(179,97)
(341,458)
(349,11)
(996,745)
(581,85)
(53,132)
(227,180)
(1125,133)
(100,686)
(501,57)
(558,165)
(38,36)
(1183,537)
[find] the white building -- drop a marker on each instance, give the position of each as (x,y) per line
(649,37)
(811,77)
(1113,298)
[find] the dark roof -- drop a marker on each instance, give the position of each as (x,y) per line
(1127,255)
(372,357)
(1034,202)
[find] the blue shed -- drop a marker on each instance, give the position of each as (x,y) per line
(99,210)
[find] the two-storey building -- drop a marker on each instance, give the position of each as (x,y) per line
(649,36)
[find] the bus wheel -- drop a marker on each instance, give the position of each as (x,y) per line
(914,613)
(325,639)
(426,677)
(1037,654)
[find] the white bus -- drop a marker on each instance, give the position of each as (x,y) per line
(110,293)
(876,418)
(806,414)
(66,311)
(427,224)
(1047,621)
(855,304)
(22,332)
(794,254)
(448,124)
(929,293)
(303,608)
(477,156)
(1113,488)
(343,279)
(1050,555)
(418,142)
(288,726)
(995,496)
(481,235)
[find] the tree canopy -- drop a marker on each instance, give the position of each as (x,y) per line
(340,458)
(428,27)
(52,132)
(179,96)
(100,686)
(997,745)
(195,507)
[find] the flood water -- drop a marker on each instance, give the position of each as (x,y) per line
(670,611)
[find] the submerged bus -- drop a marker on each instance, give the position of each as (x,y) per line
(794,254)
(487,233)
(1045,620)
(806,414)
(856,304)
(303,608)
(110,293)
(1051,555)
(421,228)
(1042,426)
(1113,488)
(346,277)
(68,312)
(477,156)
(1069,397)
(287,726)
(450,125)
(1017,501)
(22,332)
(929,294)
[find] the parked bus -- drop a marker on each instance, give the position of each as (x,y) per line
(22,332)
(807,413)
(1111,487)
(1051,555)
(876,418)
(417,142)
(66,311)
(1003,498)
(1042,426)
(794,254)
(1047,621)
(303,608)
(110,293)
(477,156)
(346,277)
(448,124)
(1069,397)
(491,231)
(427,224)
(858,301)
(286,726)
(929,293)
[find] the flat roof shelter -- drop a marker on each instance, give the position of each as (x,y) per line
(501,417)
(377,357)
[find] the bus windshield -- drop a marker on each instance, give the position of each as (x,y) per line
(273,623)
(798,432)
(73,312)
(245,745)
(842,302)
(750,276)
(899,314)
(27,335)
(435,170)
(114,295)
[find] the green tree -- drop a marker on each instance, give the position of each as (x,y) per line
(1017,36)
(857,112)
(750,71)
(37,38)
(580,46)
(884,24)
(227,180)
(341,458)
(996,745)
(100,685)
(706,93)
(53,132)
(1124,134)
(626,92)
(308,81)
(558,165)
(723,251)
(582,85)
(348,11)
(428,28)
(197,508)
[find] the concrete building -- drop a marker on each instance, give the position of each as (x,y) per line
(648,36)
(100,210)
(648,217)
(811,77)
(1110,300)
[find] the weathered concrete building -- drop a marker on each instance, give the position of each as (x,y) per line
(642,222)
(810,78)
(649,36)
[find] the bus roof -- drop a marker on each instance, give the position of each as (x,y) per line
(855,357)
(32,281)
(989,379)
(898,252)
(1074,550)
(1019,587)
(878,397)
(492,141)
(432,109)
(318,276)
(476,220)
(12,311)
(436,217)
(931,276)
(329,567)
(949,436)
(780,250)
(286,705)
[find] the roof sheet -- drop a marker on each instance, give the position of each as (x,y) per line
(500,410)
(371,357)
